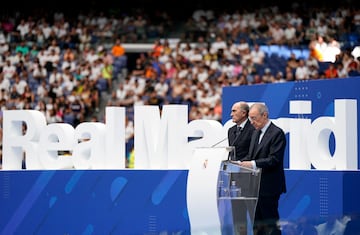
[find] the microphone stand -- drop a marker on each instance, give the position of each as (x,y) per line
(217,143)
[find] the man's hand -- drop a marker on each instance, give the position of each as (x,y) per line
(246,164)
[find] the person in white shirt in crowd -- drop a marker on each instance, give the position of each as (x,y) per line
(202,73)
(186,50)
(9,70)
(42,90)
(162,87)
(313,72)
(196,56)
(20,84)
(68,63)
(218,44)
(91,56)
(290,34)
(302,71)
(227,67)
(55,75)
(39,72)
(23,28)
(321,46)
(257,55)
(312,61)
(277,34)
(322,28)
(4,46)
(232,51)
(46,29)
(243,46)
(4,83)
(52,60)
(279,77)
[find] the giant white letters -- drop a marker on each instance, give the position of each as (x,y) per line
(161,140)
(15,142)
(88,146)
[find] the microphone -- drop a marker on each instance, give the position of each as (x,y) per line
(217,143)
(230,149)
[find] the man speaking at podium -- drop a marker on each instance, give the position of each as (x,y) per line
(239,135)
(266,151)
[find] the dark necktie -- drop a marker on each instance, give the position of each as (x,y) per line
(258,133)
(258,137)
(238,130)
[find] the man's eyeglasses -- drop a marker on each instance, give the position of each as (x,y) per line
(255,117)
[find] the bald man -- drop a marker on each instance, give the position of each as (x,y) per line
(239,135)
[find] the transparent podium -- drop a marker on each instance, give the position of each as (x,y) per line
(238,189)
(216,205)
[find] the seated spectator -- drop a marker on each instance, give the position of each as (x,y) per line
(277,34)
(342,72)
(302,71)
(331,71)
(69,116)
(289,74)
(157,48)
(292,62)
(119,57)
(290,34)
(257,55)
(268,77)
(312,61)
(353,69)
(313,72)
(107,74)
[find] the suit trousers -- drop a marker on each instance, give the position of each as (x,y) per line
(267,214)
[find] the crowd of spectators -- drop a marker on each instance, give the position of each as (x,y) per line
(66,67)
(218,49)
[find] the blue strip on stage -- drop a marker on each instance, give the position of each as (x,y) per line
(93,202)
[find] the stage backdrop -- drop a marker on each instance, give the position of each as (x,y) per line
(154,201)
(312,193)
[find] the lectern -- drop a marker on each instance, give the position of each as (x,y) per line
(238,189)
(202,192)
(221,195)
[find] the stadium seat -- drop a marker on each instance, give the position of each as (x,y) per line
(274,49)
(297,52)
(284,52)
(265,49)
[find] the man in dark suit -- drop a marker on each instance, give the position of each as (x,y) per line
(266,151)
(239,135)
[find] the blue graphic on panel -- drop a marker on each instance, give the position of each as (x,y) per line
(26,202)
(117,186)
(93,202)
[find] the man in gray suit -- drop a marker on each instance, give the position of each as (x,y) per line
(266,151)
